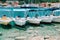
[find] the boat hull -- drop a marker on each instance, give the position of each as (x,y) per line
(47,19)
(56,19)
(20,22)
(34,20)
(5,22)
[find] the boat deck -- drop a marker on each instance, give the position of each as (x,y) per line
(52,29)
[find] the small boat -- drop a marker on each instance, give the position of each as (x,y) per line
(5,22)
(6,18)
(56,18)
(47,19)
(20,21)
(33,20)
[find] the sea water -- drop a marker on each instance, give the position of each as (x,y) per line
(52,29)
(30,30)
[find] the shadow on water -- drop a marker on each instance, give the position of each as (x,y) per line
(13,25)
(41,25)
(25,27)
(35,25)
(47,24)
(21,27)
(56,22)
(6,26)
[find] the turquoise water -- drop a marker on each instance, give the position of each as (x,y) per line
(30,30)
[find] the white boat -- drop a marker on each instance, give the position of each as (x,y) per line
(5,22)
(20,22)
(56,18)
(47,19)
(34,20)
